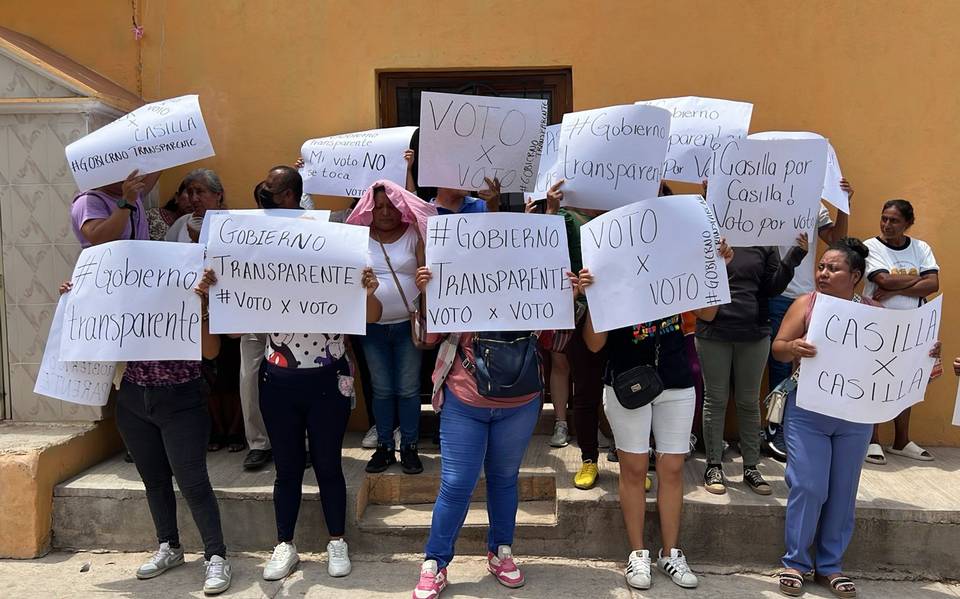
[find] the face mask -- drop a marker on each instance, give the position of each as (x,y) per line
(266,198)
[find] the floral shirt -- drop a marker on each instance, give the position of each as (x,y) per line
(161,374)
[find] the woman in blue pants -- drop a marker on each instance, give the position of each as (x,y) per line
(826,453)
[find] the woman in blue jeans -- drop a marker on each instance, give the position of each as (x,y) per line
(826,453)
(397,221)
(475,432)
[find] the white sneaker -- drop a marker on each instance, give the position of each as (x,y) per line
(338,561)
(370,439)
(638,569)
(282,562)
(164,559)
(561,435)
(218,576)
(675,566)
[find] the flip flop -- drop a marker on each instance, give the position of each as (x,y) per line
(849,592)
(875,455)
(791,584)
(913,451)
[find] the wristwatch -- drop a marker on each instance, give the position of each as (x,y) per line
(123,203)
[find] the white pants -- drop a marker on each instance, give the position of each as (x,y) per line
(670,416)
(251,355)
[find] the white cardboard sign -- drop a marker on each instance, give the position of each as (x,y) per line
(698,128)
(549,172)
(498,272)
(611,157)
(347,164)
(464,139)
(872,363)
(133,300)
(149,139)
(322,216)
(85,383)
(286,274)
(766,192)
(832,192)
(956,409)
(653,259)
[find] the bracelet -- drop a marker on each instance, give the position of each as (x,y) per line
(204,316)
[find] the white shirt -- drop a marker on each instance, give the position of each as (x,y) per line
(915,258)
(403,258)
(803,282)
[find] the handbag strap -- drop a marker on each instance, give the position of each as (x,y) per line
(396,280)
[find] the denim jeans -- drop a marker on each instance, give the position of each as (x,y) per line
(395,375)
(472,438)
(778,308)
(166,430)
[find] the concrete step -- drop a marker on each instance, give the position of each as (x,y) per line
(908,513)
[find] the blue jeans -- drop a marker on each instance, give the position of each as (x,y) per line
(394,364)
(778,308)
(823,473)
(470,438)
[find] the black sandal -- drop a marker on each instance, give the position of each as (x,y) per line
(839,581)
(791,584)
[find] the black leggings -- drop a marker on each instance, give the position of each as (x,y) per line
(166,430)
(298,402)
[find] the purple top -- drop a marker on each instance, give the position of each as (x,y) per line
(161,374)
(96,204)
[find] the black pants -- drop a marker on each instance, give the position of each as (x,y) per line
(295,402)
(586,372)
(166,430)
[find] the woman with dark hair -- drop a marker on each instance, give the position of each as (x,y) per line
(826,453)
(901,273)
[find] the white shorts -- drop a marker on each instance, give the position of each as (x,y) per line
(670,416)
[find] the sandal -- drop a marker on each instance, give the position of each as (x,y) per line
(214,447)
(791,584)
(235,447)
(913,451)
(840,585)
(875,455)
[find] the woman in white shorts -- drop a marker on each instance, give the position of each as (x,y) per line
(669,416)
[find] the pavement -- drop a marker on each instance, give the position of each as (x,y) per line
(105,574)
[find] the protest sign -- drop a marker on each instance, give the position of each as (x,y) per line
(956,410)
(317,215)
(498,272)
(872,363)
(464,139)
(549,172)
(653,259)
(133,300)
(766,192)
(698,128)
(85,383)
(149,139)
(286,274)
(610,157)
(347,164)
(832,192)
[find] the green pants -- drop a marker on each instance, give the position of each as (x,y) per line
(745,360)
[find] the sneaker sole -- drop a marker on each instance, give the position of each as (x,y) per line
(585,487)
(716,490)
(509,585)
(762,490)
(558,445)
(339,575)
(211,592)
(370,470)
(640,587)
(288,572)
(158,572)
(413,470)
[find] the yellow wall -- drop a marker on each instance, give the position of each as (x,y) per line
(881,79)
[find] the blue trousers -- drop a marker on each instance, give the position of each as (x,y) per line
(778,308)
(823,473)
(394,363)
(471,438)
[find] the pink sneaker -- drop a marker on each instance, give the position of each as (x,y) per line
(431,582)
(503,567)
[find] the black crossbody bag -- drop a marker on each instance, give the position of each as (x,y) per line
(640,385)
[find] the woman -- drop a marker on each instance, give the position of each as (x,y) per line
(160,219)
(205,191)
(163,420)
(306,389)
(735,343)
(901,273)
(826,453)
(475,432)
(659,344)
(398,225)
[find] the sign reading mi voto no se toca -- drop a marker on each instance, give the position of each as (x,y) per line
(149,139)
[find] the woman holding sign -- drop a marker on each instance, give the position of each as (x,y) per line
(901,273)
(488,431)
(657,351)
(398,224)
(826,453)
